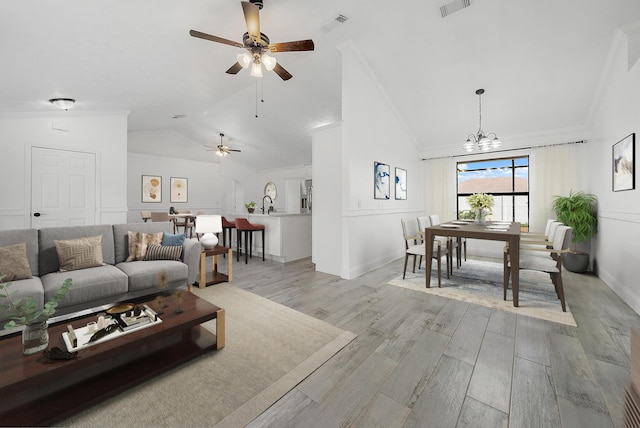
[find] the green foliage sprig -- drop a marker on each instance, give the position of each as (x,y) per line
(578,211)
(481,200)
(23,310)
(250,205)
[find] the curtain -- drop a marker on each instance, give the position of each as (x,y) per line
(552,172)
(440,188)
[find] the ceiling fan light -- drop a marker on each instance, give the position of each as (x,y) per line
(63,103)
(268,61)
(244,59)
(221,153)
(256,70)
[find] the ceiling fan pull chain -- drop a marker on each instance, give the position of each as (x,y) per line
(256,97)
(262,90)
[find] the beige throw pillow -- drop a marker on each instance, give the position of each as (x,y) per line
(138,243)
(81,253)
(13,262)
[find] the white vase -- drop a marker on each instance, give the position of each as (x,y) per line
(481,216)
(35,337)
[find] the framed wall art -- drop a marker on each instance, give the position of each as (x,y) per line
(624,168)
(151,188)
(381,180)
(401,184)
(179,189)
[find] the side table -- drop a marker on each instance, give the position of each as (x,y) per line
(217,277)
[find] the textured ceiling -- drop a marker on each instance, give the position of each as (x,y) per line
(540,62)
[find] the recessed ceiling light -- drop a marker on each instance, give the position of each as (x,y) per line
(63,103)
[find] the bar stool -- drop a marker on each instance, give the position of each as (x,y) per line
(243,227)
(226,227)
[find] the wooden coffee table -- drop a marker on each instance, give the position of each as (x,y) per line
(37,391)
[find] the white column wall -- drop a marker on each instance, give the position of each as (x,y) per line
(615,249)
(104,134)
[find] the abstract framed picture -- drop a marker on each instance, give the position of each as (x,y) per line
(151,188)
(401,184)
(624,168)
(179,189)
(381,181)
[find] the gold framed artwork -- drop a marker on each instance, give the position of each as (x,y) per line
(179,190)
(151,188)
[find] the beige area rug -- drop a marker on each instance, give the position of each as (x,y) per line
(269,350)
(480,282)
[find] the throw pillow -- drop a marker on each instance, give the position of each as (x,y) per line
(138,243)
(13,262)
(171,239)
(81,253)
(163,252)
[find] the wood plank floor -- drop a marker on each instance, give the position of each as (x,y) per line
(426,361)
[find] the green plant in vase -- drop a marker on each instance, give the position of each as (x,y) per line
(251,206)
(481,204)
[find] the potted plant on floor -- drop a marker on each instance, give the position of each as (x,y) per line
(251,206)
(578,211)
(23,312)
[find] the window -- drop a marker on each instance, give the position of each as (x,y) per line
(507,179)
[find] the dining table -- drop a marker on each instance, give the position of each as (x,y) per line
(506,231)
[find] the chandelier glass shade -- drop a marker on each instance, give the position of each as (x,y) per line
(480,140)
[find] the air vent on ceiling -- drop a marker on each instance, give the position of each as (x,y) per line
(340,19)
(454,6)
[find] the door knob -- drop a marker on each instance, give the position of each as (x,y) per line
(37,214)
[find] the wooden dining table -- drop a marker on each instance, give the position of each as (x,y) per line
(508,232)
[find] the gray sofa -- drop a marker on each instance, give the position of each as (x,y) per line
(116,281)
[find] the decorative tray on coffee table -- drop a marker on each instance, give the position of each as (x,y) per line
(126,323)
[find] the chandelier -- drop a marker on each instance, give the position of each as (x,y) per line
(480,141)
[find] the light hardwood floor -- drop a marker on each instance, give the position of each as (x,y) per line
(426,361)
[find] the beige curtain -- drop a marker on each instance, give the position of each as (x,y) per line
(440,188)
(552,172)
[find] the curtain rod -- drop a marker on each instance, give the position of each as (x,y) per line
(509,150)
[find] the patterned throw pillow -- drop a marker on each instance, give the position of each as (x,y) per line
(13,262)
(138,243)
(163,252)
(81,253)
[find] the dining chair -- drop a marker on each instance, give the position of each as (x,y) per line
(187,223)
(540,259)
(415,246)
(434,220)
(146,215)
(423,223)
(539,235)
(159,216)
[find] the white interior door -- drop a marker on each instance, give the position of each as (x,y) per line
(63,188)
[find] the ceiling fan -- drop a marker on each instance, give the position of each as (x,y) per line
(257,45)
(222,150)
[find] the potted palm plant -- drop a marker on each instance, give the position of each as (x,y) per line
(578,211)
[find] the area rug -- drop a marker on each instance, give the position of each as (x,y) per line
(480,282)
(269,350)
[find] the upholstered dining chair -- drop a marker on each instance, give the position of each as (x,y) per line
(146,215)
(540,259)
(187,223)
(159,216)
(414,246)
(434,220)
(450,244)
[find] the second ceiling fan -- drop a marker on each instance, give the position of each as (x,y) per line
(257,45)
(222,150)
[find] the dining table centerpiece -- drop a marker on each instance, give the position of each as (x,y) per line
(481,204)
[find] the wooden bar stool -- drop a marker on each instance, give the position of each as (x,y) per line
(227,226)
(243,227)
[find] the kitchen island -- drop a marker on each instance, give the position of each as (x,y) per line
(287,235)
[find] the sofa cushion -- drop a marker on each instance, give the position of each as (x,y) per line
(138,243)
(88,284)
(121,235)
(14,264)
(155,274)
(30,238)
(47,236)
(81,253)
(163,252)
(173,239)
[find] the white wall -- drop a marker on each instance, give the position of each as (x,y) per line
(369,231)
(209,184)
(615,250)
(104,134)
(287,181)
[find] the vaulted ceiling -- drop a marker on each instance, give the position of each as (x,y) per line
(541,63)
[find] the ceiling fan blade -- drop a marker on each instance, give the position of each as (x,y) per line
(299,45)
(280,71)
(252,17)
(234,69)
(206,36)
(233,150)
